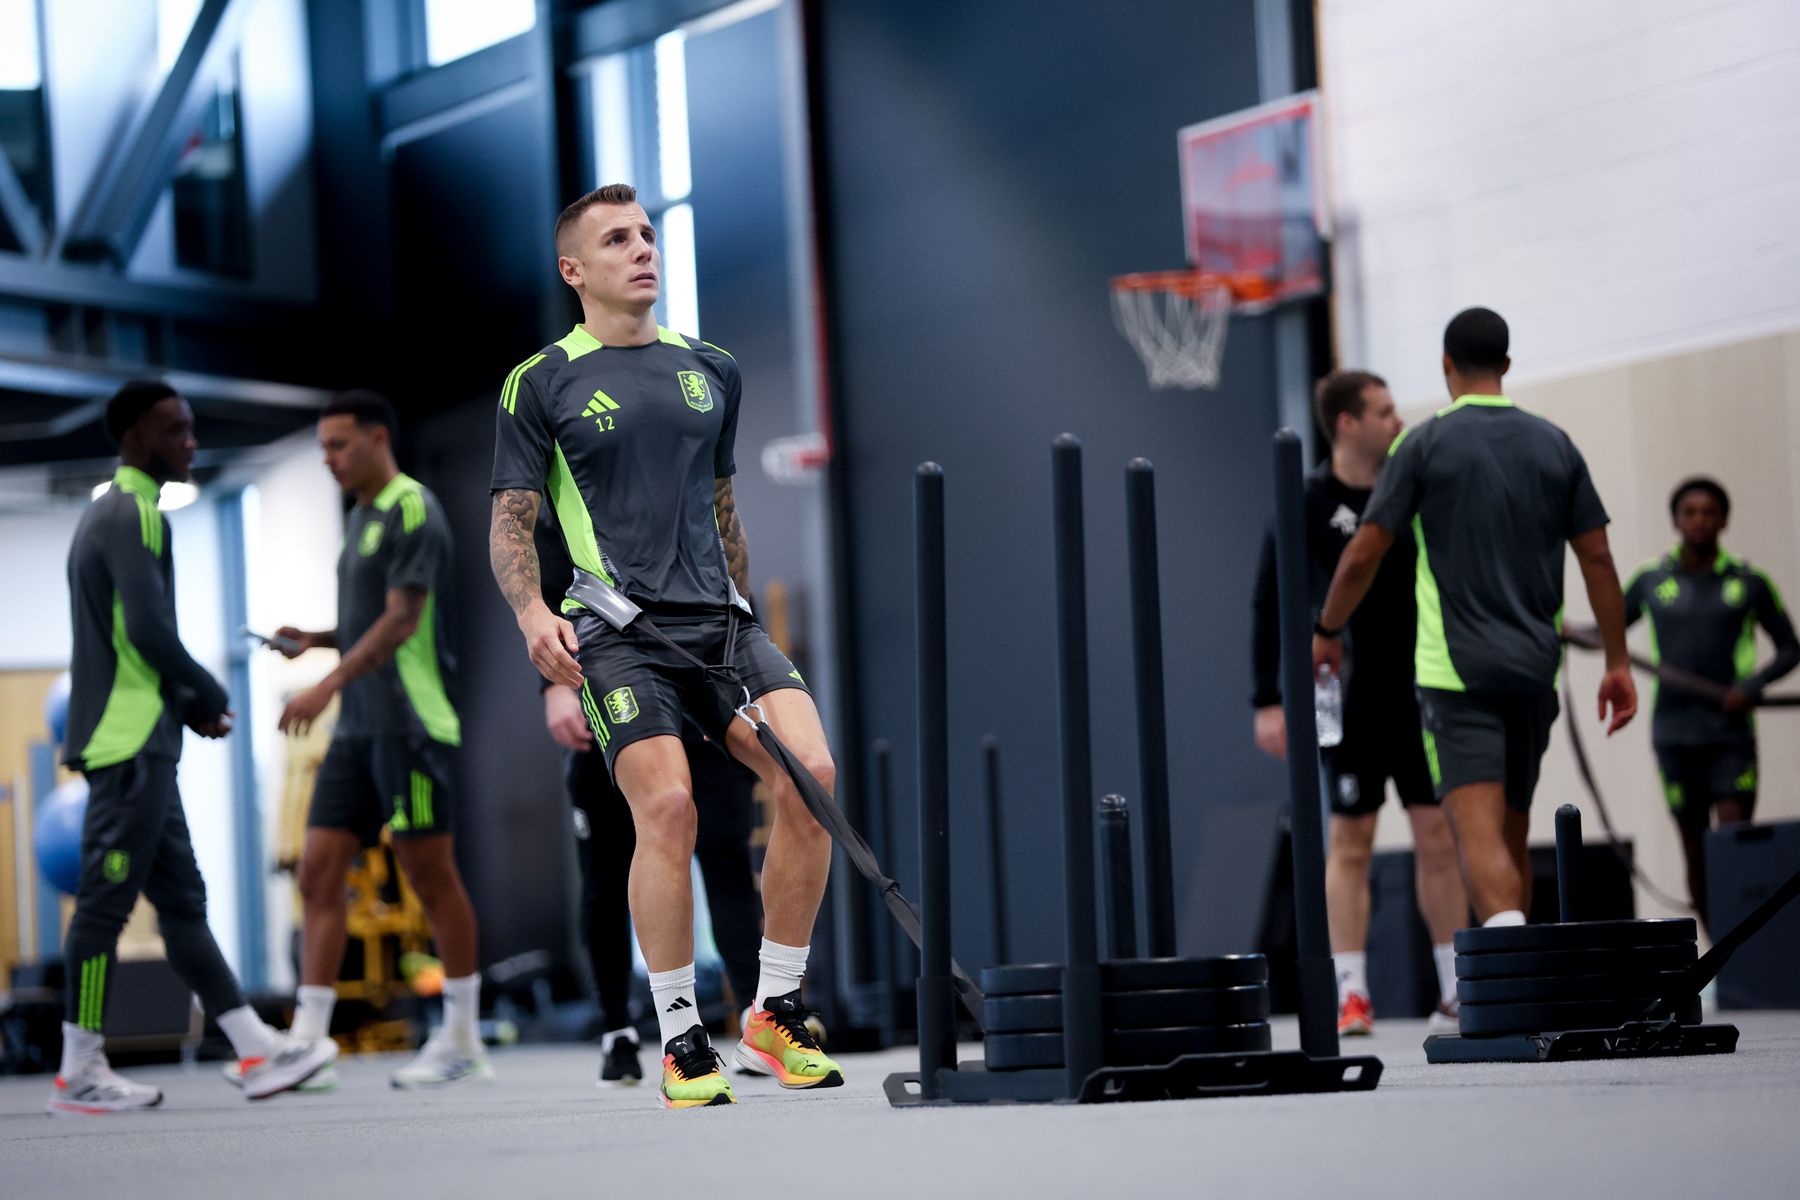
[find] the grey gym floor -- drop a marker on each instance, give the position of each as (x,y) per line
(1646,1129)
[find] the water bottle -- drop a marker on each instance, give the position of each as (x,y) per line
(1328,707)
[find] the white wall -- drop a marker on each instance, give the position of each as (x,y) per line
(1619,178)
(293,526)
(34,604)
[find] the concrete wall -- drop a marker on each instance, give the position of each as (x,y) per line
(1617,177)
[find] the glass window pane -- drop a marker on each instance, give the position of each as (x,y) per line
(681,284)
(454,28)
(19,67)
(676,173)
(174,21)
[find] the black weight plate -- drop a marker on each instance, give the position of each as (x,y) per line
(1133,1010)
(1638,959)
(1128,1048)
(1577,935)
(1132,975)
(1477,1020)
(1649,986)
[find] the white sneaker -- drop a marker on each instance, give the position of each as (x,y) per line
(292,1062)
(1445,1018)
(325,1079)
(97,1091)
(440,1062)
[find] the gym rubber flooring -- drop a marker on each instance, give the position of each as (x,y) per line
(1645,1129)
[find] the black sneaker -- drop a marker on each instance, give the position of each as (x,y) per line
(619,1066)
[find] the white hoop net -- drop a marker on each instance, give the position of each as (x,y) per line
(1176,322)
(795,459)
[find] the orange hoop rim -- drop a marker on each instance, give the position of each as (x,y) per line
(1246,287)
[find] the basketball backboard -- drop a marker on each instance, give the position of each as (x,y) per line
(1251,196)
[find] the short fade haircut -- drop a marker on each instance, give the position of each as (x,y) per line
(1700,483)
(612,193)
(1476,339)
(366,408)
(1341,394)
(131,402)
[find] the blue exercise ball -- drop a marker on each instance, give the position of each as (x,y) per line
(56,709)
(56,834)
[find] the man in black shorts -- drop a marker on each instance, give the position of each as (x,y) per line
(630,430)
(1704,605)
(133,685)
(1491,495)
(605,843)
(391,756)
(1381,716)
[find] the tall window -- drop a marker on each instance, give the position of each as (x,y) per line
(210,191)
(456,28)
(23,138)
(639,113)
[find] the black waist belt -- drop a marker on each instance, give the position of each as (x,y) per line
(619,611)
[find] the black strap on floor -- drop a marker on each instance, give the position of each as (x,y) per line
(818,801)
(826,812)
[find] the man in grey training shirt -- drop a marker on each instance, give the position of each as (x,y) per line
(1491,494)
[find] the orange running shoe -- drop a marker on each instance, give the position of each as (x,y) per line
(777,1042)
(1356,1018)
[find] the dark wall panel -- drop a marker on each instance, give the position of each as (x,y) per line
(988,168)
(470,251)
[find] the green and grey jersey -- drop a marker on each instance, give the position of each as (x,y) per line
(132,683)
(1705,622)
(399,541)
(626,443)
(1490,494)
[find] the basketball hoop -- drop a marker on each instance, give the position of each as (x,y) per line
(795,459)
(1176,321)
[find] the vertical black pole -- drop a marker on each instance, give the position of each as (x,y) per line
(937,1017)
(1318,984)
(1081,975)
(1568,860)
(881,823)
(990,761)
(1115,867)
(1153,747)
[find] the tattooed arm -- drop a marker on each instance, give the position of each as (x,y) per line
(731,533)
(549,640)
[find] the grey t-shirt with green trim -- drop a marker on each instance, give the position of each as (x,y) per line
(1491,494)
(1705,622)
(132,684)
(399,541)
(625,442)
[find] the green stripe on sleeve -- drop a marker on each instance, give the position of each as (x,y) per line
(423,679)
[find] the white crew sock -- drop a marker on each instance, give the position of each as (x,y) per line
(248,1035)
(462,1009)
(783,970)
(82,1048)
(1444,954)
(677,1010)
(612,1035)
(1352,974)
(312,1012)
(1506,916)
